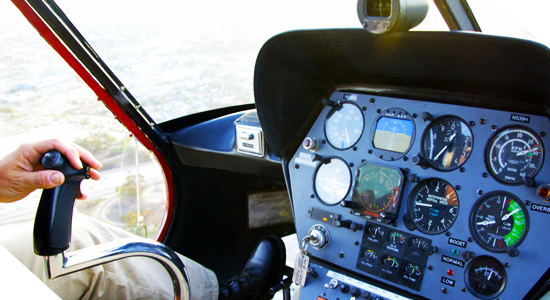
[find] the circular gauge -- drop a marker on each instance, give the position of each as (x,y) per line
(418,243)
(377,191)
(396,238)
(393,133)
(513,153)
(485,277)
(499,221)
(344,125)
(433,205)
(447,143)
(332,180)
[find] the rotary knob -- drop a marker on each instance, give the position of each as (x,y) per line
(319,236)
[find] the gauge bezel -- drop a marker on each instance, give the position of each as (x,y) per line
(471,288)
(325,161)
(474,233)
(410,206)
(489,146)
(432,124)
(392,113)
(391,214)
(329,115)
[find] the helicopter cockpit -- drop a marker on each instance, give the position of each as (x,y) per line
(409,164)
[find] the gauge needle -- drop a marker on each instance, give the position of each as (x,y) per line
(526,151)
(347,136)
(486,222)
(452,137)
(423,204)
(438,154)
(489,278)
(506,216)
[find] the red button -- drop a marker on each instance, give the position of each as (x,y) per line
(321,298)
(450,272)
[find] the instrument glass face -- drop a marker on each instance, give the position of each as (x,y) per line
(514,153)
(344,125)
(393,134)
(447,143)
(377,190)
(433,206)
(332,181)
(485,277)
(499,221)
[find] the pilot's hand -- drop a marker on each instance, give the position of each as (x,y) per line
(21,172)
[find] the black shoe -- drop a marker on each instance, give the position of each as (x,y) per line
(263,270)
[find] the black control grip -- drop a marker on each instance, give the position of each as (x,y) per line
(52,225)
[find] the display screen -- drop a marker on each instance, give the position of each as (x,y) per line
(393,134)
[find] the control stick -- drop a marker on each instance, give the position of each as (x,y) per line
(52,226)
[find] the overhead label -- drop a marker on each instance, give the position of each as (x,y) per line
(520,118)
(458,243)
(453,261)
(447,281)
(352,97)
(541,208)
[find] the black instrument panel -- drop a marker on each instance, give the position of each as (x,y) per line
(457,163)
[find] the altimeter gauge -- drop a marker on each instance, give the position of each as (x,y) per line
(433,206)
(499,221)
(447,143)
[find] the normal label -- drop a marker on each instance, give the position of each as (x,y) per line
(458,243)
(453,261)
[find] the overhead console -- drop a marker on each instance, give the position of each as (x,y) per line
(404,199)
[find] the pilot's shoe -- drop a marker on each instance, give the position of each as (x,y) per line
(263,270)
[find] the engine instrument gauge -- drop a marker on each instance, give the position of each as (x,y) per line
(344,125)
(447,143)
(332,180)
(499,221)
(377,191)
(513,153)
(485,277)
(433,206)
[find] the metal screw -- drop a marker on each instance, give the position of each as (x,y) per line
(381,156)
(458,187)
(485,175)
(472,123)
(470,239)
(430,267)
(379,110)
(415,115)
(527,202)
(356,243)
(462,169)
(372,100)
(542,134)
(506,264)
(370,151)
(480,192)
(323,141)
(362,161)
(312,196)
(444,290)
(296,167)
(463,289)
(405,158)
(341,255)
(364,108)
(351,165)
(493,127)
(448,233)
(482,121)
(406,170)
(354,148)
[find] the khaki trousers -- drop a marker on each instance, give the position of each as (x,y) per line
(131,278)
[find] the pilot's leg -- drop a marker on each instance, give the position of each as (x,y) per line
(131,278)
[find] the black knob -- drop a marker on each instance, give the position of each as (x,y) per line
(431,250)
(313,273)
(467,255)
(327,102)
(343,223)
(348,204)
(513,252)
(344,288)
(426,116)
(355,226)
(355,292)
(367,296)
(529,182)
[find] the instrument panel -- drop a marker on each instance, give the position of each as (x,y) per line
(432,200)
